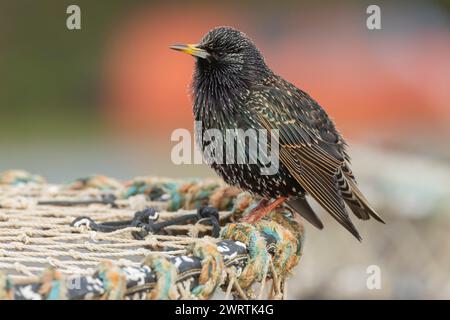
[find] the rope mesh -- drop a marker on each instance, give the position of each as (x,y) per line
(82,241)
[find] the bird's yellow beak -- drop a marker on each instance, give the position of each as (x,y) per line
(191,49)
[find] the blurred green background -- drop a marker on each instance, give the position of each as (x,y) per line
(104,99)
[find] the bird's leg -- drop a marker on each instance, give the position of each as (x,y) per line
(262,209)
(261,205)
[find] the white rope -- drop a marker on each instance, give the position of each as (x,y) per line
(33,237)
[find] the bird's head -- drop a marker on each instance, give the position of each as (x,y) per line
(227,55)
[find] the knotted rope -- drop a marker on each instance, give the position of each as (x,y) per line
(148,238)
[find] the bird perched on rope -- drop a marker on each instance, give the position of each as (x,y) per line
(234,88)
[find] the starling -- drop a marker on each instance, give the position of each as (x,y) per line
(234,88)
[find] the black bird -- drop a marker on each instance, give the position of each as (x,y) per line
(234,88)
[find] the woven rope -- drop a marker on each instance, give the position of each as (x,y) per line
(35,236)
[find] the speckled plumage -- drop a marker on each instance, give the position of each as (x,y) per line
(234,88)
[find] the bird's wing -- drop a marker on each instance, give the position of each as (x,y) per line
(312,150)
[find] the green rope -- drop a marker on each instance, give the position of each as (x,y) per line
(212,268)
(114,281)
(259,257)
(6,287)
(166,278)
(19,177)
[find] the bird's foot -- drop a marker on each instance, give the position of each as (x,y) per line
(261,210)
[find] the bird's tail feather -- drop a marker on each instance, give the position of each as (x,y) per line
(302,207)
(364,203)
(355,199)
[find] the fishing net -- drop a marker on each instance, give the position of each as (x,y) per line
(147,238)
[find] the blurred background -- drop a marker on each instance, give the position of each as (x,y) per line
(105,99)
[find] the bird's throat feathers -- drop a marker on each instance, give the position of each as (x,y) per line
(217,90)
